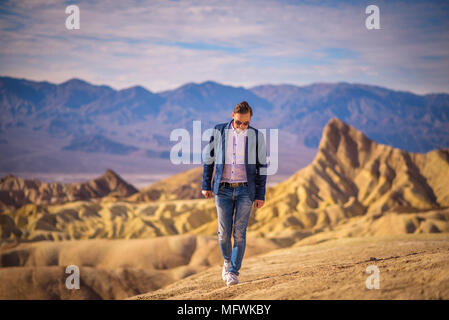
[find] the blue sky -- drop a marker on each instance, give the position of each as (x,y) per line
(164,44)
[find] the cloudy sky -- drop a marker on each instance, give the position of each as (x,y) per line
(164,44)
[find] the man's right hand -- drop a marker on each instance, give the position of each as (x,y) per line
(206,193)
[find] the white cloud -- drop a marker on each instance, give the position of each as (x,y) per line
(122,43)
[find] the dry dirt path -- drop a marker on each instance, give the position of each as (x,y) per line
(410,267)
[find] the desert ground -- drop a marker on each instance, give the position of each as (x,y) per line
(410,267)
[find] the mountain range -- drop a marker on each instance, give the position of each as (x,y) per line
(47,127)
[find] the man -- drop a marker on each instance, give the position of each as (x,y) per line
(239,154)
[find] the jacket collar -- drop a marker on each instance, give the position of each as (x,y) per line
(223,143)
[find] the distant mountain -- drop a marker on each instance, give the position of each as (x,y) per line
(73,105)
(211,100)
(63,117)
(416,123)
(127,105)
(99,143)
(24,97)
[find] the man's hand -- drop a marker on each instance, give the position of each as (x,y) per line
(206,193)
(258,203)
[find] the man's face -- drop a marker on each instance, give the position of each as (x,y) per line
(241,120)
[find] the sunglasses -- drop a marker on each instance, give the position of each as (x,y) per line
(239,123)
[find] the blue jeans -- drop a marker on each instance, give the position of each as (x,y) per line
(233,208)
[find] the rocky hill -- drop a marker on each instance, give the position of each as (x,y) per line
(16,192)
(353,176)
(184,185)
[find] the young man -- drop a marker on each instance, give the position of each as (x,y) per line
(238,152)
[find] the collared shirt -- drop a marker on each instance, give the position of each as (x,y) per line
(234,167)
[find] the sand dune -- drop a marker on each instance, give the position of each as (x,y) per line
(109,269)
(48,283)
(16,191)
(184,185)
(114,219)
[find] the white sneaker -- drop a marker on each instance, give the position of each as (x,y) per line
(224,271)
(231,279)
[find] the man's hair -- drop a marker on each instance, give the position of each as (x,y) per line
(243,107)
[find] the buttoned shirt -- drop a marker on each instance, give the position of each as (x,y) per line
(234,169)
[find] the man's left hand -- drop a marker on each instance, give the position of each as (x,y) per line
(258,203)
